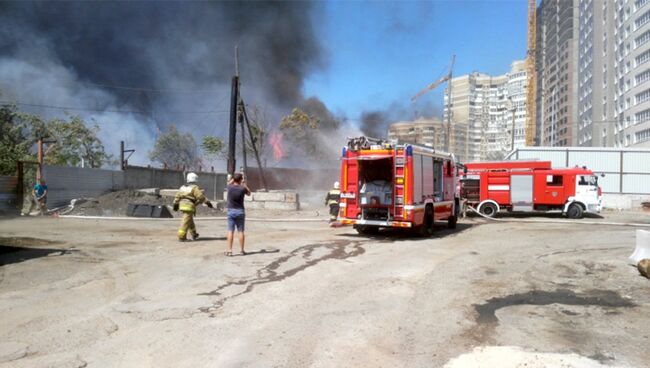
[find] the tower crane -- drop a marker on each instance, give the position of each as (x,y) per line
(446,78)
(531,108)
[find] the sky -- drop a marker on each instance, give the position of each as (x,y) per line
(136,68)
(379,52)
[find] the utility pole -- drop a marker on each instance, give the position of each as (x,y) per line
(449,85)
(234,99)
(124,160)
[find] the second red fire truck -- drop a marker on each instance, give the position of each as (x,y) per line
(387,185)
(490,187)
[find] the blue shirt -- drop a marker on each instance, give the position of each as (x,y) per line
(40,189)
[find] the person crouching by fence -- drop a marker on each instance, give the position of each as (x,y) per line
(237,189)
(188,197)
(39,199)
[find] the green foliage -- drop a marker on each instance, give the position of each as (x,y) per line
(175,149)
(71,141)
(213,146)
(301,129)
(74,142)
(14,143)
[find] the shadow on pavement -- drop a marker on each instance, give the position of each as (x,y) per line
(440,231)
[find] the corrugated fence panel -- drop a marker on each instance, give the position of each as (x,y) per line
(636,184)
(636,162)
(558,158)
(610,183)
(8,195)
(67,183)
(604,161)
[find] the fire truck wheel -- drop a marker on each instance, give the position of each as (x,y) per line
(451,222)
(488,209)
(574,211)
(426,229)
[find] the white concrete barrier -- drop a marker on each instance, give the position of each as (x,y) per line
(642,250)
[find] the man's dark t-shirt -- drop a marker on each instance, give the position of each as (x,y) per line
(236,195)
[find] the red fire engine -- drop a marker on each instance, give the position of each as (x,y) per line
(490,187)
(386,185)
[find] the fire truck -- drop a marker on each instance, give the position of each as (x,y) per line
(490,187)
(389,185)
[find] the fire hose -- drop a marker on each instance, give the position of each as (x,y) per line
(564,221)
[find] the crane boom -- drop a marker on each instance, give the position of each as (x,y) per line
(438,82)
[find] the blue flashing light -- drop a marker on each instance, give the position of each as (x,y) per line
(409,150)
(343,152)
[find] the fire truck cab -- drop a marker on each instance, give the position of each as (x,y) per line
(490,187)
(388,185)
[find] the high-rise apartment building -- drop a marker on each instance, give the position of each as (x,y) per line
(603,48)
(428,132)
(557,72)
(484,106)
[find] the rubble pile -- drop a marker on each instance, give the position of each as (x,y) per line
(116,204)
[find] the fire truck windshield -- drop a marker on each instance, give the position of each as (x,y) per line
(590,180)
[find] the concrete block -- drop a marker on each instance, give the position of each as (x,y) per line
(246,198)
(168,192)
(152,191)
(291,197)
(252,205)
(287,206)
(269,196)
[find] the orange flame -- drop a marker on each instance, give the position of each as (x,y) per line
(276,143)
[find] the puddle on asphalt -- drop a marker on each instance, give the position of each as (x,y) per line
(602,298)
(487,320)
(339,249)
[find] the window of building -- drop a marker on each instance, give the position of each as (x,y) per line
(642,136)
(643,57)
(642,20)
(639,3)
(642,116)
(642,77)
(642,97)
(642,39)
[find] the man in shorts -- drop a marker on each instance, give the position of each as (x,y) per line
(237,189)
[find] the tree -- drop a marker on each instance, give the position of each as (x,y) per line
(175,149)
(260,129)
(14,144)
(302,130)
(72,140)
(213,147)
(74,144)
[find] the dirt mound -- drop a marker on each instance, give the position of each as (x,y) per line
(116,204)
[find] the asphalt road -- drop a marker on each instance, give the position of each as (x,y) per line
(96,293)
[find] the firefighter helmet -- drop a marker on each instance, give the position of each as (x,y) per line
(336,185)
(192,177)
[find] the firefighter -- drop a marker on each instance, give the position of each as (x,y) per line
(332,200)
(188,197)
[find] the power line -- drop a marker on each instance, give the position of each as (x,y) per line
(154,90)
(107,110)
(69,107)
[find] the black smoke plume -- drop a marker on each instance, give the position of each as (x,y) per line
(178,55)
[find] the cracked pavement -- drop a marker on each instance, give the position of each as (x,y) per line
(77,293)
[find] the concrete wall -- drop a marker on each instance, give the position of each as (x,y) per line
(146,177)
(67,183)
(8,194)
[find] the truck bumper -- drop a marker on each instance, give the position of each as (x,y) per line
(400,224)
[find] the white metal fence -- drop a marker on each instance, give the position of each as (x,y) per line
(627,170)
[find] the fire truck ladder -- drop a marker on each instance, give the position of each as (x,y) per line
(400,164)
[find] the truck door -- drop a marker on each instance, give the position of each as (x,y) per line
(521,192)
(554,190)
